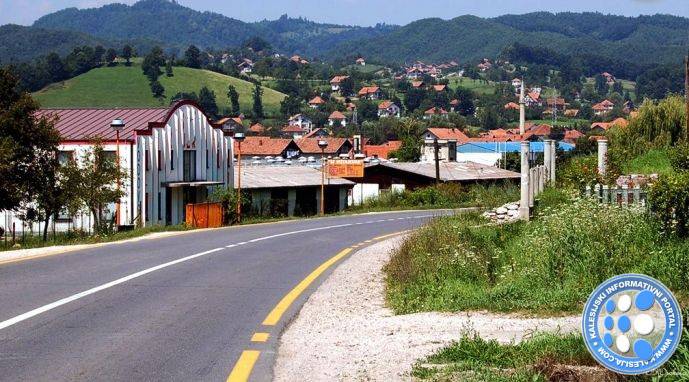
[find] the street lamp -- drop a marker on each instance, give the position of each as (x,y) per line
(322,143)
(239,137)
(117,124)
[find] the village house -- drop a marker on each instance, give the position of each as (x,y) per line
(388,109)
(435,111)
(533,99)
(603,107)
(516,84)
(381,151)
(440,88)
(370,92)
(173,156)
(257,128)
(511,106)
(261,147)
(231,123)
(293,131)
(571,113)
(301,121)
(299,60)
(315,102)
(337,147)
(336,82)
(246,66)
(572,135)
(276,190)
(317,133)
(414,74)
(336,118)
(417,84)
(609,78)
(556,103)
(447,140)
(454,105)
(601,127)
(361,61)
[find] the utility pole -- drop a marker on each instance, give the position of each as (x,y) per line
(437,160)
(686,94)
(522,110)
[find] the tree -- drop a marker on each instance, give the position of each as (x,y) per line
(25,142)
(158,90)
(50,191)
(110,57)
(55,67)
(367,110)
(152,63)
(290,105)
(601,85)
(207,101)
(127,53)
(257,44)
(92,183)
(258,102)
(168,68)
(233,95)
(347,86)
(192,57)
(98,53)
(414,98)
(410,151)
(184,95)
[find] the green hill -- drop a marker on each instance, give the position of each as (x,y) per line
(122,86)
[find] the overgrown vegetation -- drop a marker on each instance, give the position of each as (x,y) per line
(541,357)
(444,195)
(547,265)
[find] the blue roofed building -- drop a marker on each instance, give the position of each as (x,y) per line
(490,153)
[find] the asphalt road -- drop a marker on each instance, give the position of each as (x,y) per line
(181,308)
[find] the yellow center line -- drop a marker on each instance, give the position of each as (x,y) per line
(242,369)
(260,337)
(284,304)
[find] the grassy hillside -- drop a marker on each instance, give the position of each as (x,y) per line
(122,86)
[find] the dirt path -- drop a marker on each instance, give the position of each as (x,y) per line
(345,332)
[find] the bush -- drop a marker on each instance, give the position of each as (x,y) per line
(669,201)
(547,265)
(679,157)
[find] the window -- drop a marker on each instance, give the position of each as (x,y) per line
(189,165)
(160,211)
(65,157)
(110,156)
(217,158)
(147,161)
(208,164)
(160,163)
(172,159)
(147,202)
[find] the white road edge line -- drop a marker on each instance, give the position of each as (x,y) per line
(66,300)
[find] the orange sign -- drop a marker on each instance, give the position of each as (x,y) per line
(345,168)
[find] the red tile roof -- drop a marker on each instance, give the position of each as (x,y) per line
(316,101)
(385,104)
(382,151)
(338,79)
(511,106)
(336,115)
(263,146)
(572,135)
(310,145)
(445,133)
(314,132)
(82,124)
(257,128)
(368,90)
(292,129)
(439,88)
(603,105)
(435,110)
(417,84)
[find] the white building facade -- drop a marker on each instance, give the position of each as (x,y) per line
(172,156)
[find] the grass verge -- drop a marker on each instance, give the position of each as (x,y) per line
(545,266)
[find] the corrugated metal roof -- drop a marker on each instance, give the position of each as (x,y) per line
(454,171)
(85,123)
(506,147)
(255,177)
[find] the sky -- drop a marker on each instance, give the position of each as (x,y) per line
(361,12)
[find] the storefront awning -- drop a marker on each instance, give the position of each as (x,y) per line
(195,183)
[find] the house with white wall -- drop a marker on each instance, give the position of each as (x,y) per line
(172,156)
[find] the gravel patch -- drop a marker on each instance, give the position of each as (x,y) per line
(344,331)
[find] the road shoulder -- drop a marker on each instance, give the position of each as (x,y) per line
(344,331)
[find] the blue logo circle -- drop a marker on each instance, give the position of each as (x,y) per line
(632,324)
